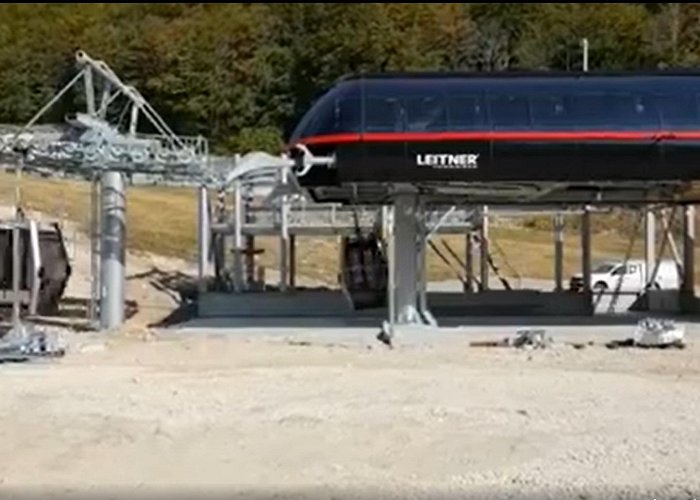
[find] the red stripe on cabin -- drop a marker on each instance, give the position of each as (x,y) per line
(553,136)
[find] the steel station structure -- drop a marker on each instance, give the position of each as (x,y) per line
(420,140)
(385,162)
(422,147)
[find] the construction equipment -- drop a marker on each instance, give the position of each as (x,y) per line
(26,342)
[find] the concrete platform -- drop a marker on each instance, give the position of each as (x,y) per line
(331,303)
(446,301)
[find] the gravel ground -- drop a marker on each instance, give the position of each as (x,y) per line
(317,412)
(215,415)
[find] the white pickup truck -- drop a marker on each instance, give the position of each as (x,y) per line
(629,277)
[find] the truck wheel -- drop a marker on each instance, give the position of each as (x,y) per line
(600,287)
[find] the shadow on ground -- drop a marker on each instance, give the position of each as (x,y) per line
(181,287)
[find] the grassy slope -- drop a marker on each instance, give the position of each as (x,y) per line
(162,221)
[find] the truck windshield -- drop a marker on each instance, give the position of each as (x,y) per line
(604,268)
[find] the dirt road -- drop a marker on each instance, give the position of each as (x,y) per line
(220,415)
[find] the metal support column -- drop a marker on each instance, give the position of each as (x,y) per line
(36,267)
(219,243)
(95,235)
(469,263)
(558,252)
(688,292)
(16,272)
(225,242)
(284,237)
(292,261)
(405,233)
(249,258)
(89,91)
(238,278)
(586,255)
(16,251)
(203,233)
(405,257)
(388,227)
(112,255)
(649,244)
(484,240)
(422,273)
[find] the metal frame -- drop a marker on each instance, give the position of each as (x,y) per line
(91,147)
(36,266)
(398,237)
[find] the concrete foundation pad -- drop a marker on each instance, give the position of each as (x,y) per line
(508,303)
(298,303)
(332,303)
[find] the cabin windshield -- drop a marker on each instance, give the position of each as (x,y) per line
(391,105)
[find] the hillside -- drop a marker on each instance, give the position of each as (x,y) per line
(241,74)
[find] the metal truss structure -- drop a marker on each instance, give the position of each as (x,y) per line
(88,142)
(96,144)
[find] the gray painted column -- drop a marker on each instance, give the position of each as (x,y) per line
(405,260)
(95,231)
(586,255)
(284,237)
(558,252)
(202,237)
(388,226)
(689,252)
(649,244)
(112,251)
(484,237)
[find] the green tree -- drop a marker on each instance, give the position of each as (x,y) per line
(243,74)
(674,34)
(616,33)
(500,28)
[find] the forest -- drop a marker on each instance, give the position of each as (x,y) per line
(241,74)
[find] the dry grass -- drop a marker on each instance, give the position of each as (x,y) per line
(160,220)
(163,221)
